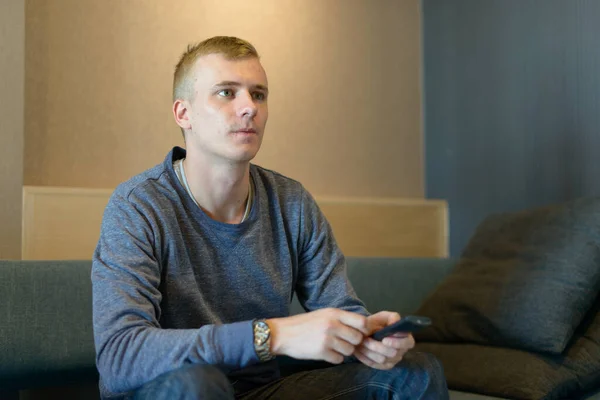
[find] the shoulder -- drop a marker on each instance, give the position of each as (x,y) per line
(291,195)
(276,182)
(153,185)
(141,185)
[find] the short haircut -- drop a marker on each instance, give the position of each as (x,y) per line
(231,47)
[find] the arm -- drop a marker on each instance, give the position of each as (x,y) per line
(322,279)
(322,282)
(131,346)
(337,321)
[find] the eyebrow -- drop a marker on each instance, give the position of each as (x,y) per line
(237,84)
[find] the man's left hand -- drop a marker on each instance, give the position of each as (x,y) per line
(387,353)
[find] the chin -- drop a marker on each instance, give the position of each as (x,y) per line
(241,157)
(246,154)
(247,157)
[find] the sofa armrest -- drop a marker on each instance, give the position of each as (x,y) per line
(394,284)
(46,336)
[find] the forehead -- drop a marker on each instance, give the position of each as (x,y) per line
(214,68)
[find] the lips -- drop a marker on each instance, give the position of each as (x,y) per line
(245,130)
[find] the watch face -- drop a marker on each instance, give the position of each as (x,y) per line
(262,333)
(260,339)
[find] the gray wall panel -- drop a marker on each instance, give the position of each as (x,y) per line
(511,105)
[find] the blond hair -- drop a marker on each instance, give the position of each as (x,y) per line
(231,47)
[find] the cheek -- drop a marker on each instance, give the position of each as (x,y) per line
(216,115)
(213,108)
(265,114)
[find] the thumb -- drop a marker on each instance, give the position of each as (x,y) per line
(392,317)
(383,319)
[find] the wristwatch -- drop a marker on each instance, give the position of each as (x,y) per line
(262,340)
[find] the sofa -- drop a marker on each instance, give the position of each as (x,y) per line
(46,340)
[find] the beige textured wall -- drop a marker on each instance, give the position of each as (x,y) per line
(12,59)
(344,76)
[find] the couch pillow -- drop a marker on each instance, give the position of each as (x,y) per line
(518,374)
(500,372)
(525,280)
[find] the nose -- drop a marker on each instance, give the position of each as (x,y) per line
(246,105)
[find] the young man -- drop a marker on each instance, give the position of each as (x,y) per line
(199,257)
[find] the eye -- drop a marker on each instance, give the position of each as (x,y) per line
(225,93)
(260,96)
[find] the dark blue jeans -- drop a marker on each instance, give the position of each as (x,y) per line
(417,376)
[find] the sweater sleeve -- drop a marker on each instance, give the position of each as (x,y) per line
(322,278)
(131,346)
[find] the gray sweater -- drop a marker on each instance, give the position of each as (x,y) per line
(171,286)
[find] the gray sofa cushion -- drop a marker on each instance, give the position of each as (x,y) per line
(395,284)
(519,374)
(46,333)
(496,371)
(525,280)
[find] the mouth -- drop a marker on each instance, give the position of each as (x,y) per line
(245,131)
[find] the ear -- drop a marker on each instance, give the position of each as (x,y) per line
(181,114)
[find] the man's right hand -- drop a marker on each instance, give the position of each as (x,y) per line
(328,334)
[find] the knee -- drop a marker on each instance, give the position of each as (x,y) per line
(189,383)
(430,372)
(425,362)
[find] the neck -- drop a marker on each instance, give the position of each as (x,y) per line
(221,190)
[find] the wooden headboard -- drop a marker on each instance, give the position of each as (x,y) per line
(64,223)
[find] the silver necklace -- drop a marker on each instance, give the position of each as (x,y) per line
(189,191)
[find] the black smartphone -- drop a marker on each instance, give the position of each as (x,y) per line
(408,324)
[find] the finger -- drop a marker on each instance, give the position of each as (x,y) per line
(401,334)
(388,366)
(393,317)
(341,346)
(396,341)
(354,320)
(380,348)
(364,358)
(400,343)
(381,319)
(349,334)
(387,317)
(377,358)
(333,357)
